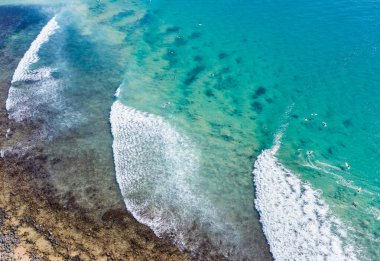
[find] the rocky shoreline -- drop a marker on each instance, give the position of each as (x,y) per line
(35,225)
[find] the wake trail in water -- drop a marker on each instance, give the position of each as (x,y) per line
(297,222)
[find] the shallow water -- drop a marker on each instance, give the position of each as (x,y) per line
(201,94)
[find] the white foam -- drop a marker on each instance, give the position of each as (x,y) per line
(35,87)
(157,169)
(35,94)
(152,162)
(297,223)
(23,71)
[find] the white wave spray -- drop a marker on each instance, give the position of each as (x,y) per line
(31,89)
(23,71)
(297,222)
(157,169)
(151,169)
(35,94)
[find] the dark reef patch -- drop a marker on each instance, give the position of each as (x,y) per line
(195,35)
(180,41)
(120,16)
(173,29)
(171,57)
(193,74)
(269,100)
(259,92)
(226,83)
(209,93)
(222,55)
(149,38)
(225,70)
(347,123)
(257,107)
(294,116)
(198,58)
(146,19)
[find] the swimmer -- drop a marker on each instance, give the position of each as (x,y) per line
(324,124)
(314,114)
(309,152)
(306,119)
(347,166)
(359,190)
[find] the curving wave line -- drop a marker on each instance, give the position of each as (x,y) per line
(23,71)
(36,95)
(32,89)
(157,169)
(297,223)
(152,162)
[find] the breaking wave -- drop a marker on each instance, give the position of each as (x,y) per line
(35,94)
(23,71)
(297,222)
(157,169)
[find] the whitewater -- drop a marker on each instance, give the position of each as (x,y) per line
(297,222)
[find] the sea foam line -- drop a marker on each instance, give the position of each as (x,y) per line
(23,72)
(297,223)
(158,172)
(152,163)
(25,101)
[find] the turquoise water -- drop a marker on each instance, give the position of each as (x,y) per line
(204,87)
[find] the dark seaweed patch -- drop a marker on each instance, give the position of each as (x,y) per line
(149,39)
(347,123)
(238,60)
(170,56)
(225,83)
(257,107)
(198,58)
(195,35)
(193,74)
(259,91)
(179,41)
(173,29)
(120,16)
(269,100)
(209,93)
(222,55)
(227,137)
(147,18)
(294,116)
(225,70)
(237,112)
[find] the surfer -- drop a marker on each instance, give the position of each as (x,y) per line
(347,165)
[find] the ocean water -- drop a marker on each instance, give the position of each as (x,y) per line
(243,129)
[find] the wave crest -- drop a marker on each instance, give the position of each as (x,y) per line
(297,222)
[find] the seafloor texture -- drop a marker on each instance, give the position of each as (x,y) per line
(227,125)
(34,224)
